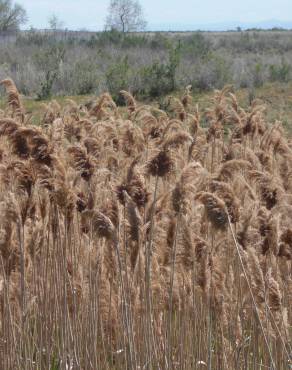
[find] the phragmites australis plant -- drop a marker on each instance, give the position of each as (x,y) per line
(137,238)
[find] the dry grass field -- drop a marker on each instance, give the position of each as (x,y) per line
(141,238)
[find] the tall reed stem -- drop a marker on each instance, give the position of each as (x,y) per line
(251,294)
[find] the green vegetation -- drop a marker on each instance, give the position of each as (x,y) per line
(148,64)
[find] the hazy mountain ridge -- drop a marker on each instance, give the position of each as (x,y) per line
(220,26)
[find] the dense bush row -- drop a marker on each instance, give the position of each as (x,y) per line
(149,65)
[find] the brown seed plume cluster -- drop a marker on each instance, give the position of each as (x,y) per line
(135,238)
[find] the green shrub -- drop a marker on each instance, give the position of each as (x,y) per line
(45,91)
(258,75)
(117,79)
(133,41)
(160,78)
(85,77)
(212,73)
(114,37)
(158,41)
(155,80)
(105,38)
(280,72)
(196,45)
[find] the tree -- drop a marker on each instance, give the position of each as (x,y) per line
(55,23)
(12,16)
(125,16)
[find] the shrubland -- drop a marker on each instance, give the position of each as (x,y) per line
(146,64)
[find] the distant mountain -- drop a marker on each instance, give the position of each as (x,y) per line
(222,26)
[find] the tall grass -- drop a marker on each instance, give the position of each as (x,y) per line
(134,238)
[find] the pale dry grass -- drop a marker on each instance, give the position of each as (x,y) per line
(139,240)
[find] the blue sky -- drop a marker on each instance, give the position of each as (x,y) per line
(90,14)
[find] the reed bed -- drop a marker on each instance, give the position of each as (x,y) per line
(134,238)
